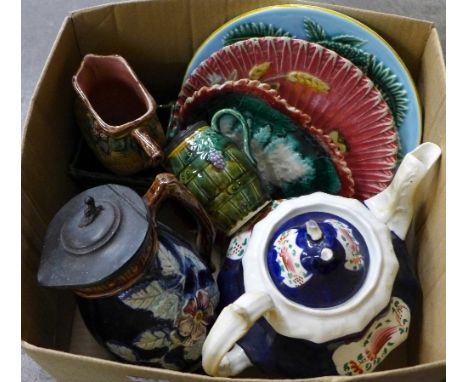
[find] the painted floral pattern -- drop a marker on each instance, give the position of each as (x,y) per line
(122,351)
(189,332)
(354,258)
(162,303)
(173,308)
(196,315)
(150,340)
(238,245)
(385,334)
(288,255)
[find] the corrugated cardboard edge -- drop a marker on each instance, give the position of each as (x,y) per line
(222,11)
(40,81)
(102,370)
(43,130)
(431,241)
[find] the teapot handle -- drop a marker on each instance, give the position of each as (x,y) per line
(245,129)
(220,355)
(166,185)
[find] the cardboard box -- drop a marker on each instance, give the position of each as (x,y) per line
(158,39)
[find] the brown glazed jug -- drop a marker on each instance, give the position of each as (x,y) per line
(117,115)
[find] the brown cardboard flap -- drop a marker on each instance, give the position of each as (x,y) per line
(95,370)
(83,343)
(46,315)
(156,46)
(48,144)
(50,132)
(432,232)
(159,48)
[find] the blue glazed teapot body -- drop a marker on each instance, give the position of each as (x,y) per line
(321,285)
(285,357)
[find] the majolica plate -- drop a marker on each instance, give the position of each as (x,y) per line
(341,33)
(292,156)
(340,100)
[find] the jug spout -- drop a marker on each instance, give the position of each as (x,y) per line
(395,205)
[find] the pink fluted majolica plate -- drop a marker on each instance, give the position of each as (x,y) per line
(292,156)
(340,100)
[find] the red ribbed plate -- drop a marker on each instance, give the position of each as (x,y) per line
(339,98)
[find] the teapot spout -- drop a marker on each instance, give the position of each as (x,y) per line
(395,205)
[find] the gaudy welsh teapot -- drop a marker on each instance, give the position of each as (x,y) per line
(322,285)
(143,292)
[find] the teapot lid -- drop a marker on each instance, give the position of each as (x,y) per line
(326,262)
(317,259)
(93,236)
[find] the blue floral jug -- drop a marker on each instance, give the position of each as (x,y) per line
(144,292)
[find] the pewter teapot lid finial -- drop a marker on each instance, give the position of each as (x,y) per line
(93,237)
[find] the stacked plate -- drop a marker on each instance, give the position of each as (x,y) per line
(330,105)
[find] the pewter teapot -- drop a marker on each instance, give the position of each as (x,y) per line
(322,285)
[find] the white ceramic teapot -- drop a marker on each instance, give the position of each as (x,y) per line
(322,285)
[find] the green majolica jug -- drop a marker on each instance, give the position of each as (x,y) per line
(222,176)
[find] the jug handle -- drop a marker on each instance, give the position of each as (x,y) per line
(148,144)
(166,185)
(220,356)
(245,129)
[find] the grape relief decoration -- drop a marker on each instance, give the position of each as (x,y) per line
(205,146)
(345,45)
